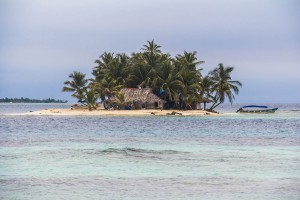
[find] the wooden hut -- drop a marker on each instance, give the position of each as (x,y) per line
(197,105)
(141,98)
(205,101)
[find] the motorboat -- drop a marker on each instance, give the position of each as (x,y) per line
(256,109)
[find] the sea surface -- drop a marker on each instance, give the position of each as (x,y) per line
(228,157)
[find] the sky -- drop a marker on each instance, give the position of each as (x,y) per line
(42,42)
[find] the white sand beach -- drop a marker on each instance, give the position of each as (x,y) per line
(148,112)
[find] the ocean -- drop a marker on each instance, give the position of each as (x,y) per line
(228,157)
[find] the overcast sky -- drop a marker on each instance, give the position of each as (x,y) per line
(41,42)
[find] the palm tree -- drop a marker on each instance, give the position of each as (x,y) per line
(141,73)
(123,63)
(90,98)
(106,88)
(152,53)
(188,60)
(151,47)
(170,81)
(152,57)
(121,101)
(187,64)
(117,68)
(206,87)
(190,99)
(139,76)
(191,93)
(103,65)
(76,85)
(223,85)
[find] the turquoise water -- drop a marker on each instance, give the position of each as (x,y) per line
(234,156)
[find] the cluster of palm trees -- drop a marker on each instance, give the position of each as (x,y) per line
(177,80)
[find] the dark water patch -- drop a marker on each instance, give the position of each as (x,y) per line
(129,151)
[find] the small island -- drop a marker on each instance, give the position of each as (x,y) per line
(27,100)
(152,80)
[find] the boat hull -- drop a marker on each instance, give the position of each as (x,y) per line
(259,111)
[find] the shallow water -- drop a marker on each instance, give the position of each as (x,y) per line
(234,156)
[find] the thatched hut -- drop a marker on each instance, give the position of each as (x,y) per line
(205,101)
(140,98)
(197,105)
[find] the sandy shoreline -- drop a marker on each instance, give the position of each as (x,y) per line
(101,112)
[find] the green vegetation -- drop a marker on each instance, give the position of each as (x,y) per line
(177,80)
(27,100)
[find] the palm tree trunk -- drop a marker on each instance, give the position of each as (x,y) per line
(215,104)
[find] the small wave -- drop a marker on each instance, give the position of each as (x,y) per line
(129,151)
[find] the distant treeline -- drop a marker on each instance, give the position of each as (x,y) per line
(27,100)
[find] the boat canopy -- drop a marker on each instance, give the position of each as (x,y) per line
(254,106)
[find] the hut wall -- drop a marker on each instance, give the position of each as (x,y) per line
(196,106)
(155,105)
(148,105)
(137,105)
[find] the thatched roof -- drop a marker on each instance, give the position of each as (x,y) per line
(144,95)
